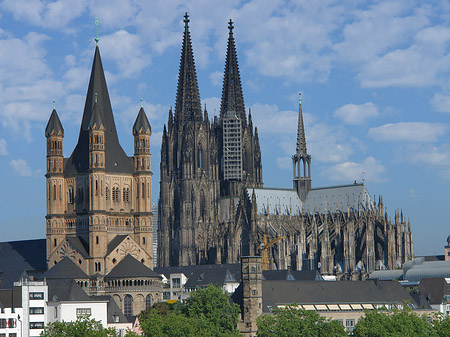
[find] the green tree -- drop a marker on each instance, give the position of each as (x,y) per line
(288,322)
(207,312)
(441,325)
(394,323)
(212,306)
(83,327)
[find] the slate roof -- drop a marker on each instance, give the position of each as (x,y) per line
(130,267)
(141,123)
(112,309)
(96,117)
(435,269)
(65,290)
(19,256)
(116,161)
(65,269)
(202,275)
(323,292)
(284,201)
(54,125)
(11,298)
(76,242)
(290,275)
(434,289)
(115,242)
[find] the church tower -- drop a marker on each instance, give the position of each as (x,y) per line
(98,199)
(301,160)
(240,151)
(189,189)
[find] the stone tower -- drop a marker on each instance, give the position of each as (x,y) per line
(301,160)
(251,276)
(199,177)
(99,199)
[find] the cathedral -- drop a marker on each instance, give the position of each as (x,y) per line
(213,207)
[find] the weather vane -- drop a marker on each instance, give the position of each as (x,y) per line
(96,23)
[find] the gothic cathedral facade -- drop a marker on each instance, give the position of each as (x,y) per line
(213,207)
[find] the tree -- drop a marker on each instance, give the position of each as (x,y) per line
(394,323)
(287,322)
(83,327)
(207,312)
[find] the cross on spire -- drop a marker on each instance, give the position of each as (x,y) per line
(186,18)
(230,25)
(96,23)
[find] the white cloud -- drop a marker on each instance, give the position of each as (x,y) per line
(20,166)
(126,50)
(372,168)
(284,163)
(48,14)
(408,131)
(3,150)
(356,114)
(441,102)
(216,78)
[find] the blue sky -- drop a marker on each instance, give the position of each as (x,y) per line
(374,77)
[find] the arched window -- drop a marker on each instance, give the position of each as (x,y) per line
(128,305)
(54,192)
(200,158)
(148,301)
(107,193)
(143,190)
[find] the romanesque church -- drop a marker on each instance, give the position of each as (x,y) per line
(99,205)
(213,207)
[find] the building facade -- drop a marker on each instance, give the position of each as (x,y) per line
(99,196)
(213,207)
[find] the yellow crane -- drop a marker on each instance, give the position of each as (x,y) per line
(264,251)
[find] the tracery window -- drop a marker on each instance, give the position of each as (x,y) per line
(128,305)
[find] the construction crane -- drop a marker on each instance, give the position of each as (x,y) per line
(264,251)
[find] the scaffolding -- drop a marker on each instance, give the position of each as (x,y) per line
(232,148)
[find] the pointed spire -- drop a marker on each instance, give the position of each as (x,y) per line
(232,97)
(187,106)
(301,139)
(141,125)
(54,125)
(206,114)
(115,158)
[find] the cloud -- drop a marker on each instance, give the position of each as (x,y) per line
(441,102)
(216,78)
(126,50)
(20,166)
(408,132)
(356,114)
(372,168)
(3,150)
(284,163)
(47,14)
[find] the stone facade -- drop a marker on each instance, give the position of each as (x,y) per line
(99,202)
(209,213)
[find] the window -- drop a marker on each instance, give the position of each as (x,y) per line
(143,190)
(83,312)
(55,242)
(36,311)
(12,323)
(55,312)
(70,195)
(349,324)
(107,193)
(253,292)
(176,283)
(143,240)
(127,305)
(166,295)
(2,323)
(126,195)
(36,325)
(148,301)
(12,335)
(2,335)
(54,192)
(96,240)
(116,193)
(36,296)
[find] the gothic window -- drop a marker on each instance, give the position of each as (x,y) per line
(54,191)
(127,305)
(70,195)
(143,241)
(148,301)
(107,193)
(115,195)
(96,187)
(143,190)
(200,158)
(126,194)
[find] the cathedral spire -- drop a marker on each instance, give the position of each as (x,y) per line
(187,105)
(232,98)
(301,139)
(115,158)
(301,160)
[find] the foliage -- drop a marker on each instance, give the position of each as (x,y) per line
(297,322)
(394,323)
(207,312)
(83,327)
